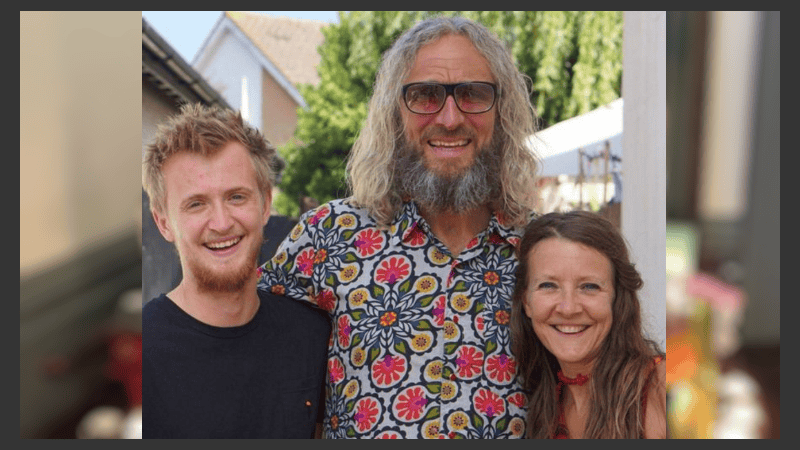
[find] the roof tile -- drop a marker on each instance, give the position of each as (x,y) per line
(291,44)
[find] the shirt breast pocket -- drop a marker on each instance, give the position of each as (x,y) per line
(299,410)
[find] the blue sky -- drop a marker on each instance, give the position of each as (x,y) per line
(186,30)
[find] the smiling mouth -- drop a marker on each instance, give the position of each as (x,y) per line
(223,245)
(453,144)
(570,329)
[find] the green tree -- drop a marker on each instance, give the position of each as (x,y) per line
(574,61)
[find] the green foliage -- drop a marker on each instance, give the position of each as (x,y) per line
(574,60)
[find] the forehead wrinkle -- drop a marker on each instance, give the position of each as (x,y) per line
(455,58)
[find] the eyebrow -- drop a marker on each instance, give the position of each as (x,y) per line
(202,196)
(546,277)
(430,81)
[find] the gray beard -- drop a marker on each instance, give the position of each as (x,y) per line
(476,186)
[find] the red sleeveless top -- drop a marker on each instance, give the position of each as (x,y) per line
(561,429)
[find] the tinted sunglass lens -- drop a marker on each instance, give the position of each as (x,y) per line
(474,97)
(425,98)
(430,98)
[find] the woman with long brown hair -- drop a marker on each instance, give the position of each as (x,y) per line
(587,368)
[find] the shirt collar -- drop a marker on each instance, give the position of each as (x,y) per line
(409,221)
(505,232)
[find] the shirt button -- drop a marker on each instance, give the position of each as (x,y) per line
(308,402)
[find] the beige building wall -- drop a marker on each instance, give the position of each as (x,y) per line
(278,111)
(80,116)
(80,200)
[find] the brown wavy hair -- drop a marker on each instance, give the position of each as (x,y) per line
(624,361)
(370,166)
(204,130)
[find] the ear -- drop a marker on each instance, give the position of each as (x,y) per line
(162,222)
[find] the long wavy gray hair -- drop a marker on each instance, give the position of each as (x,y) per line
(370,167)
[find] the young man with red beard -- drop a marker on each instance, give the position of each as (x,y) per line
(220,359)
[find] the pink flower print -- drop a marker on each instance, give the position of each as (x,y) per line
(326,300)
(344,331)
(415,237)
(388,370)
(368,241)
(495,238)
(480,324)
(469,362)
(410,404)
(388,435)
(488,403)
(305,261)
(517,399)
(438,310)
(335,370)
(500,368)
(393,270)
(366,414)
(322,212)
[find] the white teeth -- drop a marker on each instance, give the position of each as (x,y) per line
(223,244)
(571,329)
(448,144)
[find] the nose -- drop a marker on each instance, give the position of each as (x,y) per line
(220,219)
(450,116)
(568,304)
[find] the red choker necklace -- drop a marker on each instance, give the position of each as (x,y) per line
(580,380)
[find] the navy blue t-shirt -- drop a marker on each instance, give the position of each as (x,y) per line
(264,379)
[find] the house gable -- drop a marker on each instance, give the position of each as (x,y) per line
(289,43)
(227,33)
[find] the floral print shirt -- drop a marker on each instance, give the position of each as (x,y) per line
(420,342)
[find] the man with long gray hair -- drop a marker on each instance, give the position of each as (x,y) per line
(417,267)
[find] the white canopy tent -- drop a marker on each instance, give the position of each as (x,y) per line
(558,146)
